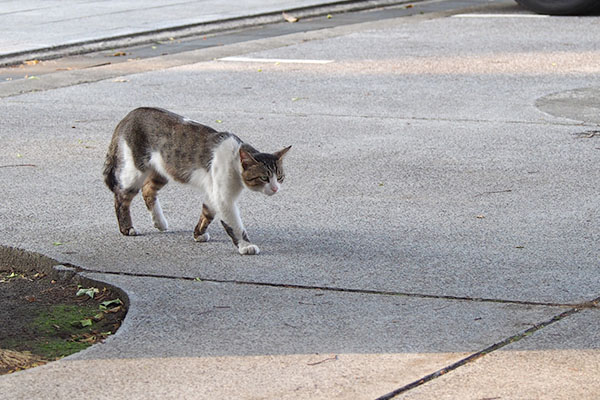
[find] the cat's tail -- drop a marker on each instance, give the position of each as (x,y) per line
(110,166)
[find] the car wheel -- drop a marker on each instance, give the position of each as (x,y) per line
(560,7)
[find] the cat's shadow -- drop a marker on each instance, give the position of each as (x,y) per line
(316,242)
(304,242)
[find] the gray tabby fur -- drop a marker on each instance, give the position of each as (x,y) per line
(152,146)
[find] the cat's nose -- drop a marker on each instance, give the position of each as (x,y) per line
(274,189)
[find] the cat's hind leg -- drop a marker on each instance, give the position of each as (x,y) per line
(153,183)
(122,209)
(200,234)
(128,180)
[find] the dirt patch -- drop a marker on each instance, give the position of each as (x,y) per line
(49,314)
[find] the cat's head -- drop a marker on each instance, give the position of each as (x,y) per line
(263,172)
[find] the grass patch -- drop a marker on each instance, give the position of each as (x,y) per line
(63,330)
(64,319)
(53,348)
(46,317)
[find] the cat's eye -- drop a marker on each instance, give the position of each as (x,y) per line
(280,178)
(264,178)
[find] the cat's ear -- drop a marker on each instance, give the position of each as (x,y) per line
(281,153)
(246,158)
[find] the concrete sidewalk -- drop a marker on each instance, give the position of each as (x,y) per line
(32,28)
(436,235)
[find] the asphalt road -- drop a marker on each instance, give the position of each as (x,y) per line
(436,235)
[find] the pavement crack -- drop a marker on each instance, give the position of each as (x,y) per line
(17,165)
(410,118)
(493,192)
(475,356)
(592,304)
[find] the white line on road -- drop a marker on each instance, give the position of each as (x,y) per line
(274,60)
(500,16)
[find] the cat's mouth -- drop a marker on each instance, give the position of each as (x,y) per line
(266,190)
(269,191)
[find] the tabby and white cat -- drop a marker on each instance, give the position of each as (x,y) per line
(151,146)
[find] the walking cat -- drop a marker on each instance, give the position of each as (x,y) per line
(152,146)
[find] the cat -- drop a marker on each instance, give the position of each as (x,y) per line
(152,146)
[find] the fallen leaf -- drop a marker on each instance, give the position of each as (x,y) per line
(31,62)
(480,216)
(113,310)
(91,340)
(408,6)
(98,317)
(119,54)
(105,305)
(57,244)
(86,322)
(219,121)
(89,291)
(30,299)
(289,18)
(329,16)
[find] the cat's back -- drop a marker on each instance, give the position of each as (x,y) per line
(152,120)
(171,142)
(157,129)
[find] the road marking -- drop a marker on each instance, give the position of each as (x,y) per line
(500,16)
(274,60)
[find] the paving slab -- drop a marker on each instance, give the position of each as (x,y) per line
(32,25)
(447,190)
(188,339)
(561,361)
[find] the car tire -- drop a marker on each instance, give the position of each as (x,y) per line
(560,7)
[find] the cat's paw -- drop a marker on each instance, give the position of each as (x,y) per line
(159,220)
(161,225)
(130,232)
(202,238)
(249,249)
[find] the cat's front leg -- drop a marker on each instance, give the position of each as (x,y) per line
(244,246)
(232,223)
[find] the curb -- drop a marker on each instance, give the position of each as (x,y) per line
(187,30)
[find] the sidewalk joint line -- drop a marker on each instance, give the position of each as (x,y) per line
(475,356)
(590,304)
